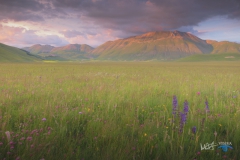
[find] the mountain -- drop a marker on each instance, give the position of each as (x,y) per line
(68,52)
(163,46)
(224,47)
(78,48)
(12,54)
(72,51)
(153,45)
(36,49)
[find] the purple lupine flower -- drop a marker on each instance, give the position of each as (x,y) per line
(175,105)
(194,130)
(207,107)
(182,121)
(183,117)
(186,108)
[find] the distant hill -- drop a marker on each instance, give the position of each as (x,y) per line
(224,47)
(78,48)
(153,45)
(68,52)
(36,49)
(12,54)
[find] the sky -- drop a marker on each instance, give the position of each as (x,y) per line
(24,23)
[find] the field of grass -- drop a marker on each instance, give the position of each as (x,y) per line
(211,57)
(118,111)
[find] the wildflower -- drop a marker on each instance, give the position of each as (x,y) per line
(182,121)
(145,134)
(220,125)
(198,93)
(194,130)
(215,134)
(175,105)
(18,158)
(44,119)
(29,138)
(1,143)
(183,117)
(186,108)
(207,107)
(198,153)
(21,139)
(80,112)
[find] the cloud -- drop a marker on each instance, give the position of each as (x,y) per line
(79,20)
(21,10)
(21,37)
(120,14)
(138,16)
(71,33)
(30,10)
(75,33)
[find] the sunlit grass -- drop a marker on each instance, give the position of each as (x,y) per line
(120,110)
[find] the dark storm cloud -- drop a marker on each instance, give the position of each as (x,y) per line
(29,10)
(20,10)
(129,16)
(138,16)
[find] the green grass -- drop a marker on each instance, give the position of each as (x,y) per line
(12,54)
(211,57)
(121,110)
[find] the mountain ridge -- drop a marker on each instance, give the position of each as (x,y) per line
(159,45)
(162,44)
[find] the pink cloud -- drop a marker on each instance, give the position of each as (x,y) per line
(20,37)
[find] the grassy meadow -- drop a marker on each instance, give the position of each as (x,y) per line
(118,110)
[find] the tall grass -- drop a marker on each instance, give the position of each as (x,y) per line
(121,110)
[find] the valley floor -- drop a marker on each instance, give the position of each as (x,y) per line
(119,110)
